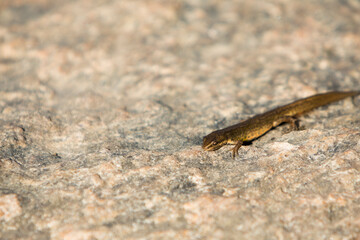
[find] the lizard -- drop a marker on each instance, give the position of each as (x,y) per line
(254,127)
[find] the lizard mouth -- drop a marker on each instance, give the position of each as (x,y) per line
(211,147)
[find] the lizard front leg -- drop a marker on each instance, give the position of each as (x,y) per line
(235,151)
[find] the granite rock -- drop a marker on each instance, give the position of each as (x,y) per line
(104,103)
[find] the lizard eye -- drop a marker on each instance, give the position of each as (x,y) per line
(214,143)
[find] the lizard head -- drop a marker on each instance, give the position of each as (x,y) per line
(213,141)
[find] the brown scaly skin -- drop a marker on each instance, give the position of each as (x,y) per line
(260,124)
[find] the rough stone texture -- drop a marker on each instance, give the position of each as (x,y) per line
(103,106)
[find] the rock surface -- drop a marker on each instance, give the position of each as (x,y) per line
(103,106)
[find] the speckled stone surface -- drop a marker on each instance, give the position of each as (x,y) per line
(103,106)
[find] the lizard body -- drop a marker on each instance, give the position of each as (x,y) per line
(260,124)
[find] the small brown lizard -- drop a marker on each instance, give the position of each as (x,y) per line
(258,125)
